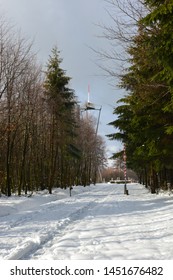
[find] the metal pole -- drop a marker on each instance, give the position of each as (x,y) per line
(125,171)
(98,119)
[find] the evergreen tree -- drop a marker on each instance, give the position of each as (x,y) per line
(61,103)
(145,119)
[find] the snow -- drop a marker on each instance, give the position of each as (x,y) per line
(97,223)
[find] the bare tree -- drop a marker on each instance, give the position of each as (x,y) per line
(119,34)
(16,62)
(93,150)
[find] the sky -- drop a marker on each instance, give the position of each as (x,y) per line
(96,223)
(73,27)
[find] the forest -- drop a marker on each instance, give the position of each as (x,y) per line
(144,116)
(46,140)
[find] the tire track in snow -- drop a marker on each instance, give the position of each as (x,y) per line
(78,215)
(30,247)
(33,244)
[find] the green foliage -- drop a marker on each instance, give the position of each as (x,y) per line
(60,97)
(145,120)
(61,101)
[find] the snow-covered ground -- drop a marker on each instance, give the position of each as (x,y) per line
(96,223)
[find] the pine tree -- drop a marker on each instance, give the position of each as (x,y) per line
(61,102)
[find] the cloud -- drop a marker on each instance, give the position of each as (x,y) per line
(71,26)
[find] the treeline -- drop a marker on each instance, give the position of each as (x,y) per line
(112,174)
(145,114)
(45,141)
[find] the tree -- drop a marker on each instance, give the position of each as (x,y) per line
(61,102)
(145,121)
(40,124)
(16,60)
(92,149)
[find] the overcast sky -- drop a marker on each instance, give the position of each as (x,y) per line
(72,26)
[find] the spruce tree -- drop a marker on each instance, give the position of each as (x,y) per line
(61,102)
(145,121)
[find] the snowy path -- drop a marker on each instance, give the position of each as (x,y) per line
(97,222)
